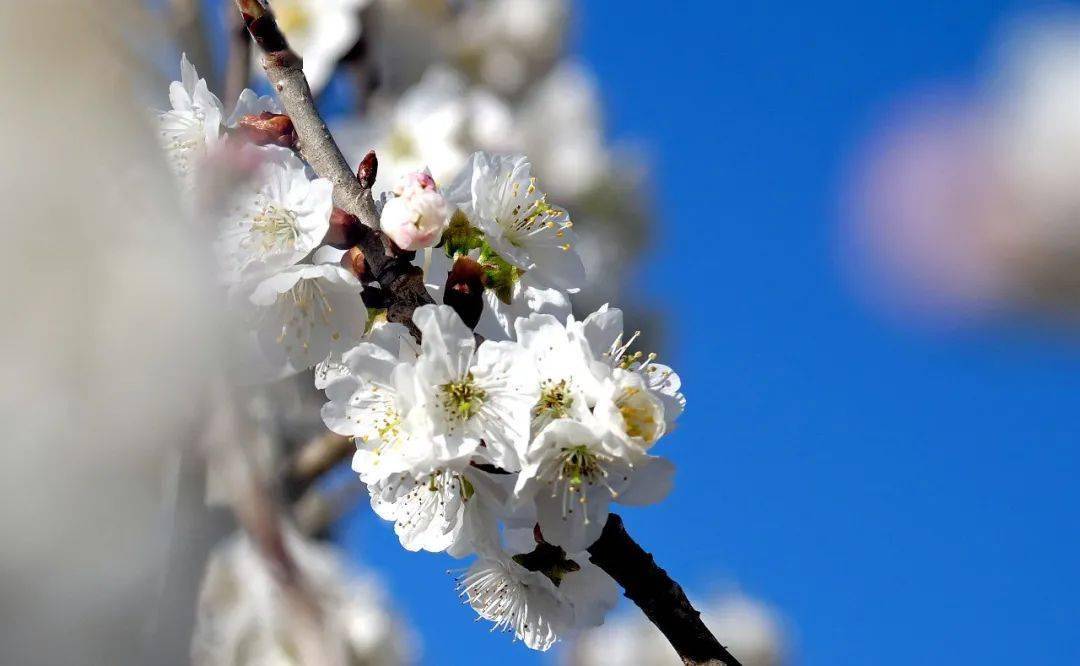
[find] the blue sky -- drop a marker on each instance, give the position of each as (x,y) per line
(899,497)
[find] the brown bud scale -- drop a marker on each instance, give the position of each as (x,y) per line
(344,231)
(465,290)
(368,170)
(353,261)
(267,129)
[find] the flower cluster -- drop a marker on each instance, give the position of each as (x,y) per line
(538,426)
(296,306)
(500,426)
(445,116)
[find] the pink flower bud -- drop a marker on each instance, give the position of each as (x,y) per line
(418,215)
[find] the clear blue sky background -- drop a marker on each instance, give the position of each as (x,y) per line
(901,498)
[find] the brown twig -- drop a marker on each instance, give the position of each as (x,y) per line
(401,282)
(657,595)
(285,71)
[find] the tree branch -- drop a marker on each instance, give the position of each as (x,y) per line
(401,282)
(285,70)
(660,598)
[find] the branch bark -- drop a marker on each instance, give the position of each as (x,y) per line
(658,596)
(401,282)
(285,70)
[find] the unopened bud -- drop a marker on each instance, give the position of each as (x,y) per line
(268,129)
(368,169)
(353,261)
(465,290)
(417,217)
(344,230)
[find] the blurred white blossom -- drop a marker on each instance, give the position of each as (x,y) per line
(305,313)
(966,204)
(193,125)
(320,31)
(276,221)
(435,125)
(748,628)
(245,618)
(507,43)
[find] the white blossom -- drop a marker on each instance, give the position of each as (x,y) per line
(601,336)
(192,125)
(511,40)
(527,296)
(436,124)
(275,221)
(450,509)
(497,318)
(500,197)
(372,403)
(750,629)
(470,394)
(626,406)
(391,336)
(584,586)
(306,312)
(516,599)
(418,414)
(416,216)
(561,127)
(540,599)
(573,470)
(566,383)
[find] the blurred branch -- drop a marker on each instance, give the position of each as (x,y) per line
(359,60)
(658,596)
(314,459)
(259,515)
(189,29)
(402,283)
(317,510)
(238,66)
